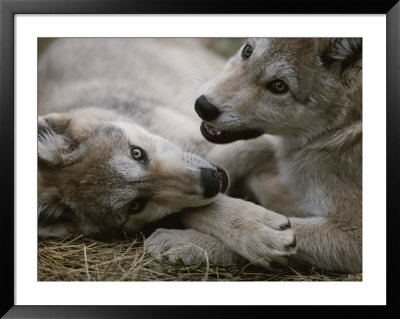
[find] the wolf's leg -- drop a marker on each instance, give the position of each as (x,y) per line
(190,246)
(328,243)
(255,233)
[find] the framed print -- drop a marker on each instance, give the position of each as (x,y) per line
(155,44)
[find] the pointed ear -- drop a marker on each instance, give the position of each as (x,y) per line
(54,142)
(343,55)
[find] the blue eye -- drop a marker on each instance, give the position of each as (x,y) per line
(138,154)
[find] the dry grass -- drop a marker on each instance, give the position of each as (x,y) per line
(83,259)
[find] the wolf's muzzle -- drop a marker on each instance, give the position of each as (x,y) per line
(205,109)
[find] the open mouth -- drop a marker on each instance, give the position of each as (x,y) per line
(223,179)
(218,136)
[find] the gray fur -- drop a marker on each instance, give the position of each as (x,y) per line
(99,96)
(309,167)
(318,144)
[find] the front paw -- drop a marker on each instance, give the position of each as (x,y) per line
(174,245)
(263,237)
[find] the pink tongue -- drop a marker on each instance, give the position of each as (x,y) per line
(212,130)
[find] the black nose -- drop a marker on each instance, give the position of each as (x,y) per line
(210,181)
(205,109)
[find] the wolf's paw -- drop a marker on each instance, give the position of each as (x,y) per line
(175,245)
(263,237)
(189,246)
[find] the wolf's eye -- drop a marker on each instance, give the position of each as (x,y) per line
(277,87)
(247,51)
(136,206)
(139,154)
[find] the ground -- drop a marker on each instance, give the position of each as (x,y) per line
(85,259)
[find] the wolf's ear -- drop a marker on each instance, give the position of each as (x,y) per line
(54,142)
(343,55)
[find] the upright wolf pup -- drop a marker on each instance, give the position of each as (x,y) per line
(308,94)
(100,171)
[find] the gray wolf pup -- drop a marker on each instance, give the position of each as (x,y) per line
(302,98)
(103,169)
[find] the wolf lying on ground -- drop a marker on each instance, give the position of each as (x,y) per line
(307,94)
(102,171)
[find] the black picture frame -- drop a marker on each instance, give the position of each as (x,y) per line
(8,10)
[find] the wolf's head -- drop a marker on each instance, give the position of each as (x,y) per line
(108,174)
(288,87)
